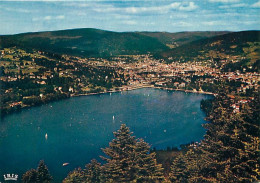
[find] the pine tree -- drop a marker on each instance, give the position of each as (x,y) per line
(30,176)
(43,174)
(247,166)
(75,176)
(93,172)
(178,170)
(147,168)
(228,151)
(129,160)
(120,165)
(186,167)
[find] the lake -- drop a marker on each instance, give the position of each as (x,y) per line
(78,127)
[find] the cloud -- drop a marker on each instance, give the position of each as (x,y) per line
(240,5)
(175,5)
(256,5)
(224,23)
(224,1)
(191,6)
(60,17)
(111,8)
(178,16)
(213,23)
(48,18)
(40,0)
(18,10)
(130,22)
(250,22)
(182,24)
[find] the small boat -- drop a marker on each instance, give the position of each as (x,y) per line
(46,136)
(113,117)
(65,164)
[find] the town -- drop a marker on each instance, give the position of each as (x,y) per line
(31,78)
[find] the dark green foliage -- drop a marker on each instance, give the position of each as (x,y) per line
(30,176)
(85,42)
(120,166)
(129,159)
(186,167)
(206,105)
(41,175)
(230,146)
(148,169)
(230,149)
(76,176)
(232,67)
(177,173)
(33,100)
(94,172)
(94,42)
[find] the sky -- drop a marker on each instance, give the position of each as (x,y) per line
(127,15)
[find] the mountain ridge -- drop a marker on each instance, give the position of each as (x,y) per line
(92,42)
(85,42)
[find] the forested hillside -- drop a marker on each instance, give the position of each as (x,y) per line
(85,42)
(239,44)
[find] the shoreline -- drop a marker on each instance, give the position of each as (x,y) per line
(121,89)
(127,88)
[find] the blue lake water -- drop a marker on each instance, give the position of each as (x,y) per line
(79,127)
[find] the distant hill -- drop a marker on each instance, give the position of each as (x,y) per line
(89,42)
(181,38)
(186,46)
(86,42)
(245,43)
